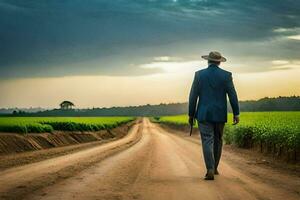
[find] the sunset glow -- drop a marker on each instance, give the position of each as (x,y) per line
(111,53)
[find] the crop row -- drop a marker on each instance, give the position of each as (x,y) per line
(49,124)
(278,129)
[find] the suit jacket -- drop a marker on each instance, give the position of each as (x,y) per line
(210,88)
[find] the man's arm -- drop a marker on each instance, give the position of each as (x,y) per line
(193,99)
(233,99)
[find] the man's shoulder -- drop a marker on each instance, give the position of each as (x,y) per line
(201,71)
(225,71)
(206,72)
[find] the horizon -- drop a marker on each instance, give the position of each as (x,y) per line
(127,52)
(137,105)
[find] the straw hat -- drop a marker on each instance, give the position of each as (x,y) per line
(214,56)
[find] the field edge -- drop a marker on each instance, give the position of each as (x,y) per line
(11,143)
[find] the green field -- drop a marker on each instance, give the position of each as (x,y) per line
(49,124)
(280,129)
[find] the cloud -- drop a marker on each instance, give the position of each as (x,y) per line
(287,30)
(294,37)
(285,64)
(175,67)
(167,58)
(280,62)
(289,33)
(282,30)
(60,38)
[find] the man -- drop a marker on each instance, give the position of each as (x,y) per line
(210,88)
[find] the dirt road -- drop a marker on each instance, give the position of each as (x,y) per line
(149,163)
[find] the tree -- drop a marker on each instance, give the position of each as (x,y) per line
(66,105)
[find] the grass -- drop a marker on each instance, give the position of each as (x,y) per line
(280,129)
(180,120)
(49,124)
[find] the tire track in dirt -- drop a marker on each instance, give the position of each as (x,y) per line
(161,165)
(18,181)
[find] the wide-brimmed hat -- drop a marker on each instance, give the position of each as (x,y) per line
(214,56)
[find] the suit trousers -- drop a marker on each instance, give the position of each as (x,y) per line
(211,137)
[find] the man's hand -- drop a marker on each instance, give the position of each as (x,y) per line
(236,119)
(191,121)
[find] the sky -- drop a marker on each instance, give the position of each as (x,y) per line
(102,53)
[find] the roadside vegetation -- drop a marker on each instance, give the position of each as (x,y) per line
(275,132)
(50,124)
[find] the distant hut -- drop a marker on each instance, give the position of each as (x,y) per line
(66,105)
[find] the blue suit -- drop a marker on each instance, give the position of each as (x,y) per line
(210,88)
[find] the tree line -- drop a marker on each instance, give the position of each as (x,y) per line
(291,103)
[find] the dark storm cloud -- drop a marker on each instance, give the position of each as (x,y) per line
(79,37)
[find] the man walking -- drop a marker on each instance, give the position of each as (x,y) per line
(210,88)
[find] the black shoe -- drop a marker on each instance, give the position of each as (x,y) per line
(216,172)
(209,176)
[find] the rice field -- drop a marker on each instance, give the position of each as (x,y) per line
(50,124)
